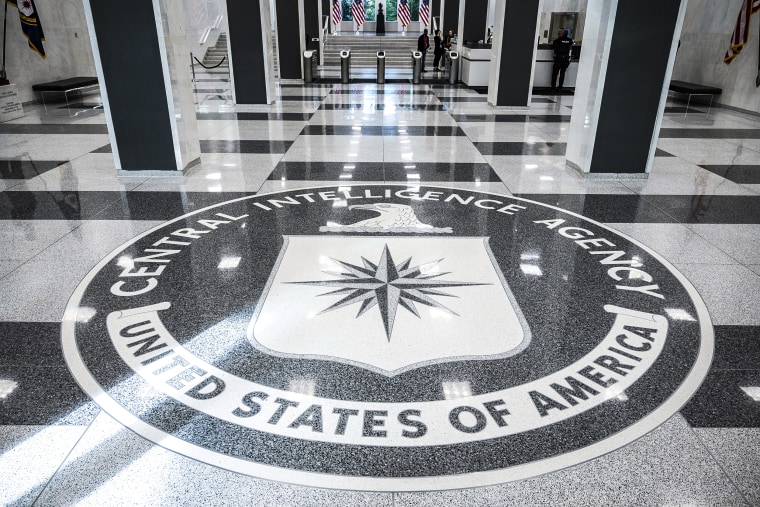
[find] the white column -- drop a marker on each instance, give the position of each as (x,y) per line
(172,39)
(622,85)
(589,85)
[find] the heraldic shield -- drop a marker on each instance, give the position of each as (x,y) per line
(366,301)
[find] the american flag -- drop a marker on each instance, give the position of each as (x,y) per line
(403,12)
(741,32)
(425,12)
(357,11)
(337,15)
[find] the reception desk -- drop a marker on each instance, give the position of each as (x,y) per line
(476,64)
(542,76)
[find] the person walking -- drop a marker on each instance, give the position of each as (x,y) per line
(423,43)
(437,50)
(562,46)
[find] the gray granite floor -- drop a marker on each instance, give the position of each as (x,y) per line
(60,220)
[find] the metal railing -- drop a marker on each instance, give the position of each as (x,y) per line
(193,60)
(323,38)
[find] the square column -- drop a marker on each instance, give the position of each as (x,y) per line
(291,38)
(513,56)
(142,59)
(623,77)
(251,51)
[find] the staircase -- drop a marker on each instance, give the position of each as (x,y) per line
(398,50)
(215,53)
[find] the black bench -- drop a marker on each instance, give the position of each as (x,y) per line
(694,89)
(65,86)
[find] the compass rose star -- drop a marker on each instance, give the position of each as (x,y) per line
(387,285)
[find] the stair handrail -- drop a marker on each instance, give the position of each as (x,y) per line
(323,38)
(204,36)
(213,66)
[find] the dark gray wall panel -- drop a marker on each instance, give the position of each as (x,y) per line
(247,51)
(311,18)
(475,19)
(288,40)
(633,85)
(517,53)
(134,80)
(450,16)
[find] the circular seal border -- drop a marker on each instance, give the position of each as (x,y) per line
(643,426)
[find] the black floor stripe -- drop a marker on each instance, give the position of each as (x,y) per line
(48,128)
(383,171)
(382,92)
(742,174)
(231,146)
(245,146)
(721,401)
(307,86)
(542,148)
(163,205)
(546,90)
(381,107)
(20,169)
(136,205)
(681,109)
(463,99)
(688,209)
(337,80)
(302,98)
(103,149)
(513,118)
(520,148)
(372,130)
(670,133)
(256,116)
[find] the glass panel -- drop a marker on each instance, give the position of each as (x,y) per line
(564,20)
(390,10)
(369,10)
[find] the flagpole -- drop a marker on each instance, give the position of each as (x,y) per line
(3,78)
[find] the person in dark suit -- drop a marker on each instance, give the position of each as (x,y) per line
(423,43)
(562,46)
(437,50)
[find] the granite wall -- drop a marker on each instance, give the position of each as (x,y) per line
(705,37)
(67,47)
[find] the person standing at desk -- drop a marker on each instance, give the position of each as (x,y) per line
(562,46)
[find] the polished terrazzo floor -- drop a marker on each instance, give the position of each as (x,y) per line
(63,210)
